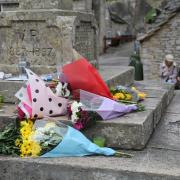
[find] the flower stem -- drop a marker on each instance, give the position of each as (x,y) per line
(121,154)
(129,102)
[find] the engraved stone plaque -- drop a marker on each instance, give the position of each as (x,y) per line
(42,42)
(45,38)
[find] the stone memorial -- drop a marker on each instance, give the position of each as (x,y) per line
(45,37)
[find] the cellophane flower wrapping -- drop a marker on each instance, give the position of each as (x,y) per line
(37,100)
(81,74)
(50,138)
(105,107)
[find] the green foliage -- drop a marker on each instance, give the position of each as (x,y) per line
(151,16)
(7,140)
(1,100)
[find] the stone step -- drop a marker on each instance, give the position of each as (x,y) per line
(123,75)
(150,164)
(131,131)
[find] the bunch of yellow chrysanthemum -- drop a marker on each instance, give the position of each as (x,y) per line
(27,146)
(122,96)
(140,94)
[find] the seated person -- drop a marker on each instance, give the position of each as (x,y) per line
(178,80)
(168,70)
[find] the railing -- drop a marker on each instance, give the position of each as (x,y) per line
(115,41)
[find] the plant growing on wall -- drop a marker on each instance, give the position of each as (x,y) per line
(151,16)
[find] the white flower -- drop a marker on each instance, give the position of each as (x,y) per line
(37,136)
(62,90)
(74,117)
(75,107)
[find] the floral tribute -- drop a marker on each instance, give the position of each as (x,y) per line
(83,96)
(82,119)
(131,94)
(49,138)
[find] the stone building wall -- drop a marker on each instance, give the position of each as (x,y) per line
(165,41)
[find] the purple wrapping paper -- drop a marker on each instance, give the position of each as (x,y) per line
(105,107)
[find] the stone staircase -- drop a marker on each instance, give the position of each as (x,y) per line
(130,132)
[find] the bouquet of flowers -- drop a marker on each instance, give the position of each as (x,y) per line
(49,138)
(37,100)
(80,118)
(127,94)
(94,107)
(80,74)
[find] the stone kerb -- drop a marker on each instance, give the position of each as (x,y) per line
(112,76)
(133,130)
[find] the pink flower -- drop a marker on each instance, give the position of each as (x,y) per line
(78,125)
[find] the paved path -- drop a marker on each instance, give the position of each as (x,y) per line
(167,134)
(162,154)
(117,55)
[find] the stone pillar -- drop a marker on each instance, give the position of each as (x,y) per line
(99,8)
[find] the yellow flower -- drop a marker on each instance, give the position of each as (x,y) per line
(23,123)
(25,131)
(133,88)
(18,142)
(128,97)
(142,95)
(36,149)
(25,149)
(119,96)
(27,123)
(30,123)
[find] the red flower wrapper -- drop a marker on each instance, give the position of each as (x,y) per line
(82,75)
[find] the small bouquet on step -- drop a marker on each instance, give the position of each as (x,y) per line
(49,138)
(93,107)
(129,94)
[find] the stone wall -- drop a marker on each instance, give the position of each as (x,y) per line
(165,41)
(36,4)
(85,40)
(45,38)
(46,4)
(82,5)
